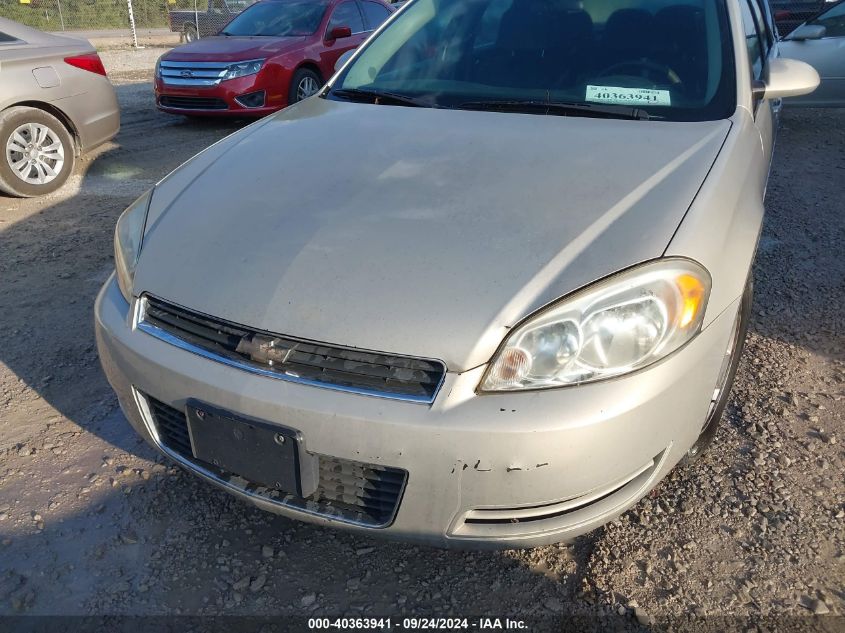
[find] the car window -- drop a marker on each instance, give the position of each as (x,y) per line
(375,13)
(752,40)
(763,10)
(278,19)
(760,20)
(5,38)
(672,58)
(833,21)
(347,14)
(488,30)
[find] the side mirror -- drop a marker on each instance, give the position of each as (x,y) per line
(807,32)
(340,32)
(341,61)
(788,78)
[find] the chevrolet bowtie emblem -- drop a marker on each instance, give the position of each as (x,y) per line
(263,349)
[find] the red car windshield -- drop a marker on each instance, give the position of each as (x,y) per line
(278,18)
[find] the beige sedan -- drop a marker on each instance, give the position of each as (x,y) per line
(509,322)
(55,103)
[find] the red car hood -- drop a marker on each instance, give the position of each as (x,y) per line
(233,49)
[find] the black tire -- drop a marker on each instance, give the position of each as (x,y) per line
(300,77)
(10,121)
(191,34)
(711,425)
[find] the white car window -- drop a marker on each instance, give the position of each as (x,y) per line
(752,40)
(5,38)
(833,21)
(668,57)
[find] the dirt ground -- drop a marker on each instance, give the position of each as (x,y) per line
(92,521)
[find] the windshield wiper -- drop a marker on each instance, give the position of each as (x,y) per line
(380,97)
(558,108)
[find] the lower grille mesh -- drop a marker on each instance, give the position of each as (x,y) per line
(353,491)
(193,103)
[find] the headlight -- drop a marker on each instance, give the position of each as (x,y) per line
(128,236)
(242,69)
(617,326)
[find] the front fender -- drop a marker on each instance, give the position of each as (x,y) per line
(722,227)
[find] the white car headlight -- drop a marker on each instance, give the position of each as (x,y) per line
(242,69)
(616,326)
(128,236)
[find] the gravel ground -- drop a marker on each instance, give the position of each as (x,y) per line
(126,64)
(121,39)
(93,522)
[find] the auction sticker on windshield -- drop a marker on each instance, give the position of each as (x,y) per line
(628,96)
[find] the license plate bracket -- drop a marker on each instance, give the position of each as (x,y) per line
(266,454)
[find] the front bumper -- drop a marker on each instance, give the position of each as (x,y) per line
(510,470)
(221,100)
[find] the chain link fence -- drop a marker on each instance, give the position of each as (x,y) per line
(790,14)
(193,19)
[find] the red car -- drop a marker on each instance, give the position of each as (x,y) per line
(275,53)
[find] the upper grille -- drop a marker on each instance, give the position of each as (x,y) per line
(370,373)
(351,491)
(192,103)
(193,74)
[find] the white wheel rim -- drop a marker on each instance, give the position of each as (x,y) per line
(307,87)
(35,154)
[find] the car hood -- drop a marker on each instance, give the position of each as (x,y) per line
(416,231)
(232,49)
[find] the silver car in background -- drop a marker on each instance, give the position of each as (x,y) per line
(821,43)
(55,103)
(486,289)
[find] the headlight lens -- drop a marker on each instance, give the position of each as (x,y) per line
(614,327)
(242,69)
(128,236)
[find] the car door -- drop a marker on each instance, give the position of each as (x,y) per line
(826,55)
(346,13)
(762,46)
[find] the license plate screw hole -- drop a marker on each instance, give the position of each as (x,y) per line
(280,439)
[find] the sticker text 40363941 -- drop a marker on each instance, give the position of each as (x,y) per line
(628,96)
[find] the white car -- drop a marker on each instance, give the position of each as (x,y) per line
(487,288)
(821,43)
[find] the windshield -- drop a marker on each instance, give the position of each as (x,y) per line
(669,59)
(278,18)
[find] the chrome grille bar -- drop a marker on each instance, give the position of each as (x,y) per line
(299,361)
(193,74)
